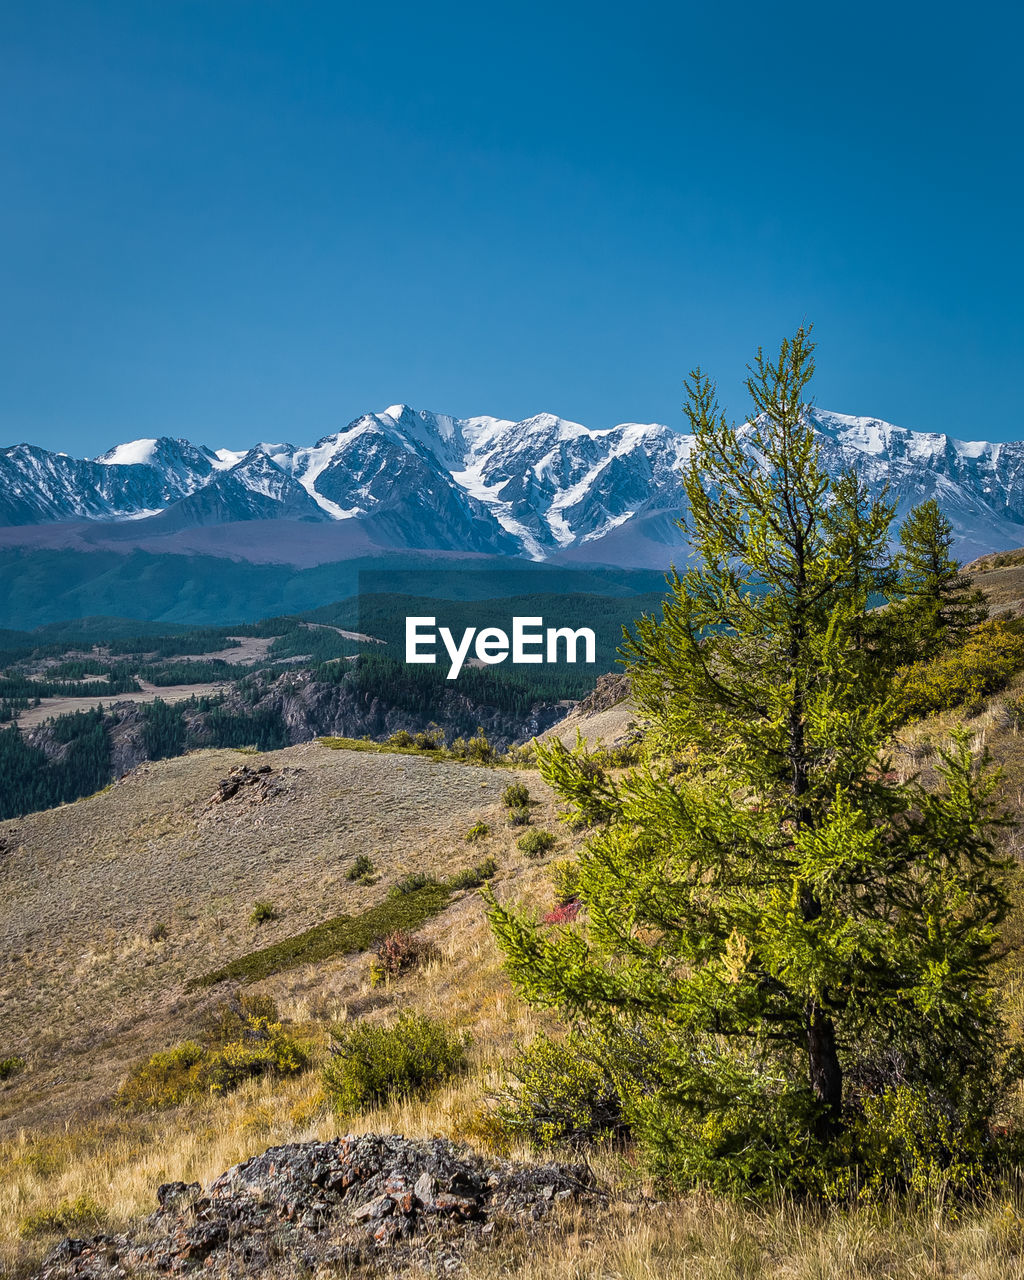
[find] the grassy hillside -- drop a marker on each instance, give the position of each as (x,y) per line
(131,919)
(116,905)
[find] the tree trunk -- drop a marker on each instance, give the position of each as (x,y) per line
(825,1072)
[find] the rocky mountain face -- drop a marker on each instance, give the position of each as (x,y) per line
(543,488)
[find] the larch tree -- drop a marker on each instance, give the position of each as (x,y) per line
(799,938)
(940,602)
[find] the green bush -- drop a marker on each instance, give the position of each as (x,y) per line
(565,874)
(402,738)
(81,1215)
(515,796)
(241,1040)
(987,660)
(519,817)
(266,1050)
(361,869)
(558,1091)
(372,1065)
(411,883)
(472,877)
(11,1066)
(166,1079)
(478,748)
(477,832)
(536,843)
(262,912)
(908,1138)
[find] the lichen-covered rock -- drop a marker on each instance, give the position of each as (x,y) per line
(372,1200)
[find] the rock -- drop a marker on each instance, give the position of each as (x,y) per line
(170,1194)
(425,1189)
(343,1203)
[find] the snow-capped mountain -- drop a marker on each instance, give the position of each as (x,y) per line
(543,488)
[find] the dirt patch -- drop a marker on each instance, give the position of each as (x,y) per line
(249,649)
(52,707)
(345,635)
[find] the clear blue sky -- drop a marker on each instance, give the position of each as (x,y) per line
(253,219)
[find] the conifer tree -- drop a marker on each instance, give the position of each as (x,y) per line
(801,939)
(940,602)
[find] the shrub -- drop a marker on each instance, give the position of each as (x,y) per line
(410,884)
(990,656)
(472,877)
(559,1091)
(429,739)
(371,1065)
(565,873)
(402,738)
(262,912)
(909,1139)
(515,796)
(536,843)
(362,870)
(82,1214)
(232,1018)
(11,1066)
(563,914)
(266,1050)
(478,748)
(398,953)
(242,1039)
(477,832)
(519,817)
(166,1079)
(158,932)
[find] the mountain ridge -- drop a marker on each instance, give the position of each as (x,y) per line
(543,488)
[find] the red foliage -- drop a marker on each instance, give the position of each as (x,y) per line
(563,914)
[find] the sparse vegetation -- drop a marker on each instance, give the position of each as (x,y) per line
(478,831)
(341,935)
(262,912)
(472,877)
(519,816)
(371,1065)
(81,1215)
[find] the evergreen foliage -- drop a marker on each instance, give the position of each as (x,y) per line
(801,941)
(941,603)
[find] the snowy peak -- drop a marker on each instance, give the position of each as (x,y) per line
(541,487)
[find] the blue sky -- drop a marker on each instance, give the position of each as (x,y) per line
(248,219)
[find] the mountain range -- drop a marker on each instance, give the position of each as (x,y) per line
(541,489)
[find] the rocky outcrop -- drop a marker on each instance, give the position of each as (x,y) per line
(610,690)
(313,708)
(373,1202)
